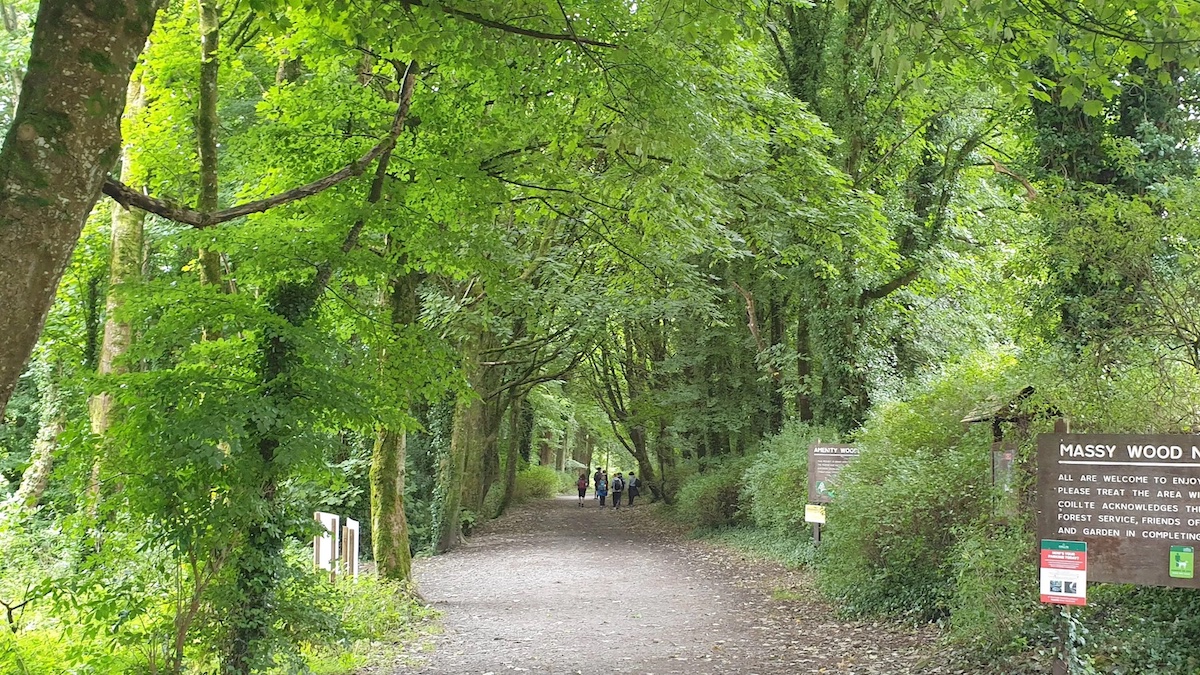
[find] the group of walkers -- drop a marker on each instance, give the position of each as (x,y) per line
(603,487)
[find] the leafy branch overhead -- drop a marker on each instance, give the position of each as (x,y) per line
(129,198)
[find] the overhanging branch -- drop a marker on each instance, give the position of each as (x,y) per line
(527,32)
(127,197)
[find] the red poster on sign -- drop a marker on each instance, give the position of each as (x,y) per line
(1064,572)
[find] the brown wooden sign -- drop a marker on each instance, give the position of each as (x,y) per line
(1135,501)
(824,463)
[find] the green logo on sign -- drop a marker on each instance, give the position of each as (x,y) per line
(1183,562)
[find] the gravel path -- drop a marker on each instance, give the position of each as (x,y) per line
(554,588)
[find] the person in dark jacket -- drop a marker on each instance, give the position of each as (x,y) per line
(632,487)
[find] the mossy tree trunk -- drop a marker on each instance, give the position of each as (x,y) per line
(65,136)
(389,526)
(124,266)
(36,478)
(451,467)
(206,130)
(517,435)
(482,419)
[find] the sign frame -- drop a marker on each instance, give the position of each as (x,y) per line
(1129,497)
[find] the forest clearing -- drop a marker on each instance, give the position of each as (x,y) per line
(902,296)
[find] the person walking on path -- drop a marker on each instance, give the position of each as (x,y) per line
(602,489)
(596,479)
(632,487)
(618,486)
(582,484)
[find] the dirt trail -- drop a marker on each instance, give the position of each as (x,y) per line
(554,588)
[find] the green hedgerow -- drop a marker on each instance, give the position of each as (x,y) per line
(712,499)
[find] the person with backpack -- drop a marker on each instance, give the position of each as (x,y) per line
(596,479)
(602,489)
(618,486)
(633,486)
(582,484)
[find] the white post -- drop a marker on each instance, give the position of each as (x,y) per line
(350,548)
(325,546)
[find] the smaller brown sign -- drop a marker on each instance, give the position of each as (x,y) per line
(825,461)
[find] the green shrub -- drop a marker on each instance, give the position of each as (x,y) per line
(711,499)
(775,487)
(379,610)
(921,476)
(1143,630)
(994,593)
(374,618)
(536,482)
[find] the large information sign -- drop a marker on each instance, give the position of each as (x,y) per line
(824,463)
(1134,500)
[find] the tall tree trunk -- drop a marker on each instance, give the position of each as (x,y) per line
(804,408)
(451,467)
(389,526)
(516,438)
(545,447)
(527,422)
(493,420)
(65,136)
(36,478)
(206,129)
(125,265)
(775,321)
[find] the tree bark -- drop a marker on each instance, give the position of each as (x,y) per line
(447,515)
(65,136)
(775,321)
(804,408)
(36,478)
(206,130)
(125,264)
(516,436)
(389,525)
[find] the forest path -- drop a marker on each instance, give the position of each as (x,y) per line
(555,588)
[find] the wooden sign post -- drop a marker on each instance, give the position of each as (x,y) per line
(825,462)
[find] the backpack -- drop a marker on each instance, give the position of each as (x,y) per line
(582,483)
(618,484)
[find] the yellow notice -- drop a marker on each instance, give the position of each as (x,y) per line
(814,513)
